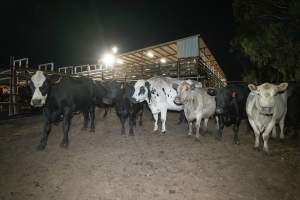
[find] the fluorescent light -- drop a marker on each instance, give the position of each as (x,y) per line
(108,59)
(150,54)
(163,60)
(114,49)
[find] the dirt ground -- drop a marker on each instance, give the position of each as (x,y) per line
(106,165)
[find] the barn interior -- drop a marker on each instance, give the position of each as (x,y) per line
(185,58)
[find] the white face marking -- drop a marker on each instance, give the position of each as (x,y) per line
(137,87)
(38,80)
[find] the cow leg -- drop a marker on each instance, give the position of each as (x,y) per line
(66,127)
(274,134)
(85,120)
(221,127)
(92,115)
(190,128)
(141,117)
(266,135)
(256,133)
(281,125)
(181,117)
(105,112)
(236,132)
(45,133)
(155,116)
(198,123)
(205,130)
(122,120)
(132,121)
(217,121)
(163,117)
(295,135)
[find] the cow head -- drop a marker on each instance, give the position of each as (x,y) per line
(182,89)
(141,91)
(224,97)
(112,89)
(265,93)
(40,88)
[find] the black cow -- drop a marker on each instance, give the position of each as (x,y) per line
(119,96)
(61,96)
(230,107)
(293,109)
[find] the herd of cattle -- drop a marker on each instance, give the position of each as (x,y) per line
(264,106)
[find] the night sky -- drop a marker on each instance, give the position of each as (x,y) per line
(77,32)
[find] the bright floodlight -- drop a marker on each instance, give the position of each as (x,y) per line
(120,61)
(108,59)
(114,50)
(163,60)
(150,54)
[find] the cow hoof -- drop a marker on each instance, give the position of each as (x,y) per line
(40,147)
(163,132)
(197,139)
(256,148)
(189,135)
(155,131)
(92,130)
(236,142)
(84,128)
(218,138)
(266,153)
(294,136)
(64,145)
(131,133)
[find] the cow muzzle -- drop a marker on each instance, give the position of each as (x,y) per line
(36,102)
(219,111)
(133,100)
(107,101)
(177,100)
(267,110)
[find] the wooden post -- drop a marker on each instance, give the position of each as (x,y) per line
(13,83)
(178,68)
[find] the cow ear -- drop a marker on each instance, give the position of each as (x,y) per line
(54,79)
(175,86)
(211,91)
(233,94)
(282,87)
(147,85)
(252,87)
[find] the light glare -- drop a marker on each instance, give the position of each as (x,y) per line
(150,54)
(108,59)
(163,60)
(114,50)
(120,61)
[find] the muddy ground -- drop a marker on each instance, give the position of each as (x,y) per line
(105,165)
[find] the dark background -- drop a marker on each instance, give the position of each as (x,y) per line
(77,32)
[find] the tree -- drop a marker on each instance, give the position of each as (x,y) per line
(268,33)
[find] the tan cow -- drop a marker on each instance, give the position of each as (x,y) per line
(197,104)
(266,105)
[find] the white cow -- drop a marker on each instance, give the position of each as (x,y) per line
(160,95)
(266,105)
(198,105)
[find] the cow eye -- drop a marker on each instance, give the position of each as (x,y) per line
(142,90)
(44,89)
